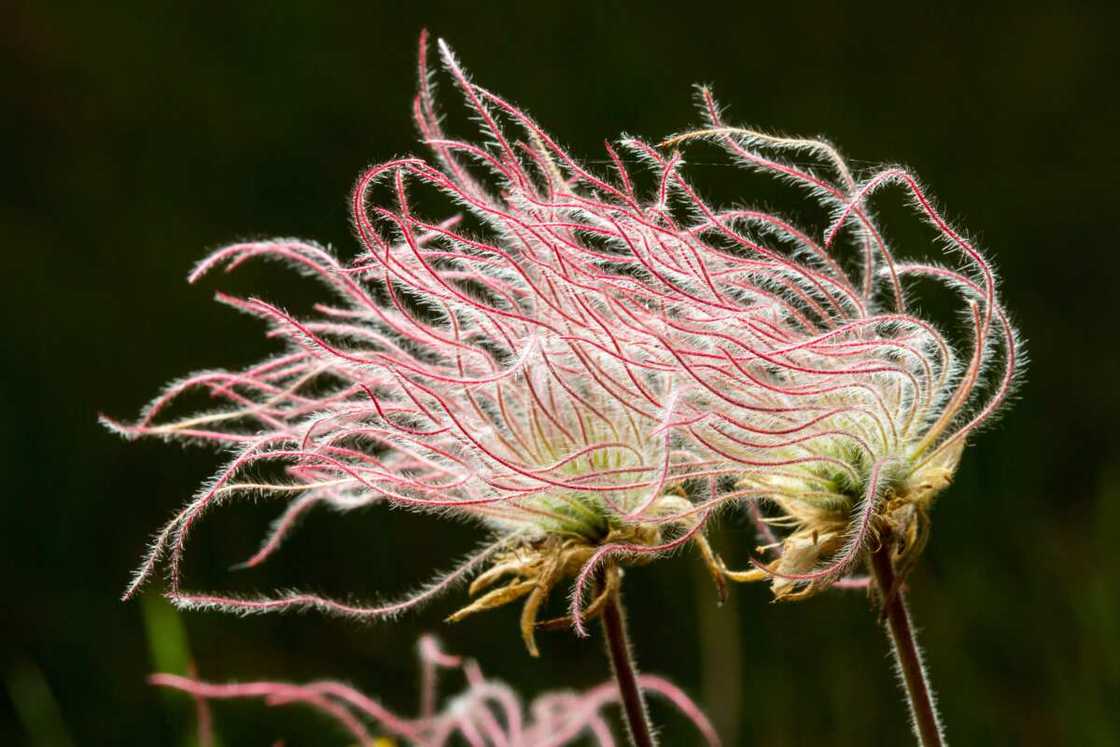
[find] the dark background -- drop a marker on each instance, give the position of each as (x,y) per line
(141,135)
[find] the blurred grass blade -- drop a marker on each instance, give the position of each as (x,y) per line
(167,644)
(167,637)
(36,707)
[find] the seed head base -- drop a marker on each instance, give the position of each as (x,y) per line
(532,569)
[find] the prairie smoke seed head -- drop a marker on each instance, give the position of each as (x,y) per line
(858,409)
(591,368)
(491,365)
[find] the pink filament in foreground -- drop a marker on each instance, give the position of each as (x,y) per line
(486,713)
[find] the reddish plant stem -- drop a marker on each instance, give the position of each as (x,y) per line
(625,674)
(923,712)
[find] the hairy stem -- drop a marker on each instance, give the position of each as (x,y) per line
(622,664)
(923,712)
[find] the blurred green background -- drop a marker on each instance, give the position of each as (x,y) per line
(140,135)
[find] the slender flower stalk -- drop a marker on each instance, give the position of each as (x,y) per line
(907,654)
(487,713)
(625,672)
